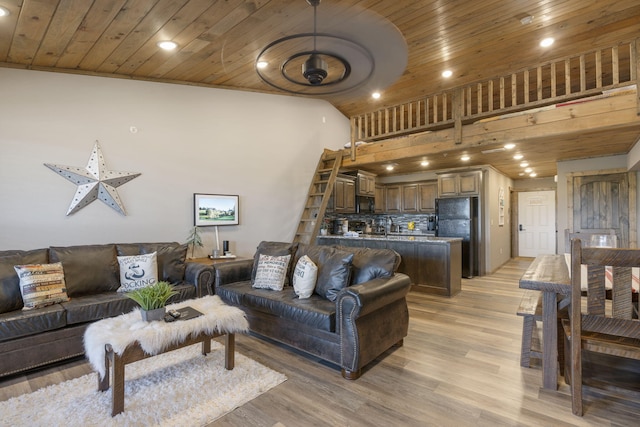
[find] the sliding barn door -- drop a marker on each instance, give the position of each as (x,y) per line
(601,204)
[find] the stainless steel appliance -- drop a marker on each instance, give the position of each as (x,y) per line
(365,204)
(458,217)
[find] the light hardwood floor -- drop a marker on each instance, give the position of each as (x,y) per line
(459,366)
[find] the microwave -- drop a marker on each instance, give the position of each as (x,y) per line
(365,204)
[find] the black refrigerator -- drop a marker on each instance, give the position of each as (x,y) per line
(458,217)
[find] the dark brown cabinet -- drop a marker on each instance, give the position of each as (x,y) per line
(410,198)
(366,184)
(343,198)
(427,194)
(459,184)
(381,199)
(393,202)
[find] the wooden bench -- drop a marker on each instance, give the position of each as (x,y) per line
(531,311)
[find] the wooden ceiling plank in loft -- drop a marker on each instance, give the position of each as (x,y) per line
(95,22)
(118,30)
(64,24)
(31,28)
(8,27)
(598,115)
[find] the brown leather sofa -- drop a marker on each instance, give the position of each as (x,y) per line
(32,338)
(366,318)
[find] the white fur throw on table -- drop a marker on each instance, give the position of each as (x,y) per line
(154,337)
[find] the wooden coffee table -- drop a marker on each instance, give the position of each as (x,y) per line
(134,353)
(114,342)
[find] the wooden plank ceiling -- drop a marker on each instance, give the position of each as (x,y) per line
(218,41)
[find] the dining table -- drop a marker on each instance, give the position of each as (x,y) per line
(549,274)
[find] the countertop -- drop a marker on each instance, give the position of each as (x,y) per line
(397,237)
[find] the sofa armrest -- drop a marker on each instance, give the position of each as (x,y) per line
(364,298)
(199,275)
(372,317)
(232,272)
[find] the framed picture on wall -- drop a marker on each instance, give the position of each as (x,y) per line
(215,209)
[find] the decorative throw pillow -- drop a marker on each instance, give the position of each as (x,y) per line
(334,270)
(271,272)
(41,285)
(137,271)
(304,277)
(274,249)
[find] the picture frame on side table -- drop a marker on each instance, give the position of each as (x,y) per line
(215,209)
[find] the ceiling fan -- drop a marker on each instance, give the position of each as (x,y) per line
(367,54)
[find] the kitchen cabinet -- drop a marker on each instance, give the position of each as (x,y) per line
(393,202)
(459,184)
(410,198)
(366,184)
(427,194)
(343,198)
(433,264)
(380,199)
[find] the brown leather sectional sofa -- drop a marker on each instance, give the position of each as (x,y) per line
(365,318)
(32,338)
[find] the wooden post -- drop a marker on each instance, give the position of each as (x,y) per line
(353,137)
(457,107)
(635,71)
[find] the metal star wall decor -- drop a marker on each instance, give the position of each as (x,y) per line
(94,181)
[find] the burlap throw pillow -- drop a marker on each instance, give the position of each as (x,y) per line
(304,277)
(271,272)
(41,285)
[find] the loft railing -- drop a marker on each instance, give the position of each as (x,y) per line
(555,81)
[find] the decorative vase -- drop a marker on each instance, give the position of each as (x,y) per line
(155,314)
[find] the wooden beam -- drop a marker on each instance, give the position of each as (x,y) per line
(598,115)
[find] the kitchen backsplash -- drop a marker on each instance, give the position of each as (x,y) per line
(423,222)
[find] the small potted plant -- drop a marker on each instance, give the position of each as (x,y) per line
(194,239)
(152,300)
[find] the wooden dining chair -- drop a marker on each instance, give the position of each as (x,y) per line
(607,326)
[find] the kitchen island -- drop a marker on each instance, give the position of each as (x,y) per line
(433,263)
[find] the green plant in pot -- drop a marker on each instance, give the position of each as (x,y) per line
(152,300)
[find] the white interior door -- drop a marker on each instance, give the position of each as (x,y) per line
(536,223)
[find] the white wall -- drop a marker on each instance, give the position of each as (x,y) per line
(497,237)
(261,147)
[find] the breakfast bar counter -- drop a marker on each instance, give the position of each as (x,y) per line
(433,263)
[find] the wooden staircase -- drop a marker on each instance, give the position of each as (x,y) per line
(320,190)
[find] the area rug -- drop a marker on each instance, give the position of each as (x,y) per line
(178,388)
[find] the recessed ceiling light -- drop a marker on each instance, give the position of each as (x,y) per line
(424,163)
(521,174)
(447,73)
(547,42)
(533,174)
(389,167)
(518,156)
(465,158)
(527,170)
(524,164)
(262,64)
(4,11)
(510,146)
(375,95)
(167,45)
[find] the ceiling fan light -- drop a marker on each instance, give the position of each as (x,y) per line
(314,69)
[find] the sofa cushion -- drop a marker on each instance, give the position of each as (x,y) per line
(88,269)
(41,285)
(274,249)
(315,312)
(171,258)
(10,296)
(369,264)
(271,272)
(334,269)
(305,276)
(24,323)
(137,271)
